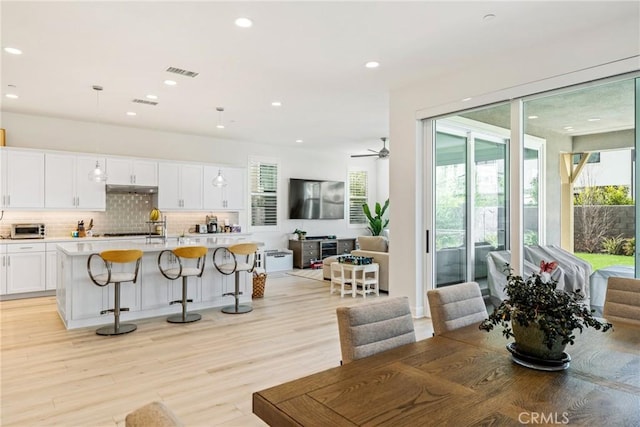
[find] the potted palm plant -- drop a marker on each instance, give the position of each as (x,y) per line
(376,223)
(541,318)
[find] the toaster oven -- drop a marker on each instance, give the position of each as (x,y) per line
(27,231)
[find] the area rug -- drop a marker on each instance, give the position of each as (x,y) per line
(307,274)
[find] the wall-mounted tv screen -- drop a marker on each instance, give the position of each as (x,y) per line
(316,199)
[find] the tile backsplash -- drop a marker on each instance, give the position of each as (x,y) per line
(124,213)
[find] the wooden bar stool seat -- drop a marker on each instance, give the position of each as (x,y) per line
(190,261)
(127,258)
(236,266)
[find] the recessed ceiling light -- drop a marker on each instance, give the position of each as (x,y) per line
(276,103)
(532,117)
(150,96)
(594,119)
(131,113)
(372,64)
(13,50)
(466,99)
(12,96)
(244,22)
(170,82)
(221,126)
(299,141)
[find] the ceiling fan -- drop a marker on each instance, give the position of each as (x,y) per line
(382,154)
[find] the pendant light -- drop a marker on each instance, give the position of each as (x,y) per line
(98,174)
(220,111)
(219,180)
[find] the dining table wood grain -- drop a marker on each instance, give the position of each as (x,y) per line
(467,377)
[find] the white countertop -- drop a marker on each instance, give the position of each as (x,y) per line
(88,246)
(102,238)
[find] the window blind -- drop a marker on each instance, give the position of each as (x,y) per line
(357,196)
(264,193)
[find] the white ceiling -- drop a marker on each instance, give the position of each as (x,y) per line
(308,55)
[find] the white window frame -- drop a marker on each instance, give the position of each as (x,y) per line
(365,223)
(264,160)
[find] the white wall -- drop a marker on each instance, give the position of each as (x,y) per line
(600,52)
(29,131)
(615,168)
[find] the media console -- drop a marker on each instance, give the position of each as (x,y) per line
(320,247)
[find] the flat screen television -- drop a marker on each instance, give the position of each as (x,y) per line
(316,199)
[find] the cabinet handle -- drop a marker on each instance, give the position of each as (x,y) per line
(9,200)
(8,261)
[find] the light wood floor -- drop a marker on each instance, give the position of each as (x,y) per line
(205,371)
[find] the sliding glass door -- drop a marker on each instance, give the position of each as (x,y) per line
(470,199)
(577,182)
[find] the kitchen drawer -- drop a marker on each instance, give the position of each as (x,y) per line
(14,248)
(311,252)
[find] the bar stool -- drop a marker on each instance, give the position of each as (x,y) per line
(228,268)
(119,256)
(183,254)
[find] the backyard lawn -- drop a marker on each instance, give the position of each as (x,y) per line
(599,261)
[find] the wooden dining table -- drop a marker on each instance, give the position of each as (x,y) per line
(467,377)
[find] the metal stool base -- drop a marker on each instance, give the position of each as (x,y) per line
(124,328)
(188,318)
(232,309)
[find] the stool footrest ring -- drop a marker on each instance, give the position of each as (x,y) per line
(179,301)
(112,310)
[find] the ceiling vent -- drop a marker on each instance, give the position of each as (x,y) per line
(144,101)
(182,72)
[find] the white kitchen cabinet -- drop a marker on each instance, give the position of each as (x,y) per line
(25,267)
(68,185)
(230,197)
(124,171)
(22,180)
(3,269)
(51,267)
(179,186)
(155,288)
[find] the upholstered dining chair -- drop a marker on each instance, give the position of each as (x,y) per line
(456,306)
(622,301)
(370,328)
(154,414)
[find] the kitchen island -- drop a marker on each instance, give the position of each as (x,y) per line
(80,301)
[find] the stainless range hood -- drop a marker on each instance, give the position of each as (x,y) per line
(131,189)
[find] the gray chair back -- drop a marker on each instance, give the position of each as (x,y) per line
(622,302)
(369,328)
(456,306)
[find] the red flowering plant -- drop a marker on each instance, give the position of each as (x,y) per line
(536,300)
